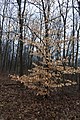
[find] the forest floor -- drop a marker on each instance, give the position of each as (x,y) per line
(21,103)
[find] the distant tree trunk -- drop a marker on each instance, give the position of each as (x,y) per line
(4,56)
(67,52)
(21,47)
(21,16)
(77,52)
(64,38)
(16,58)
(73,35)
(1,32)
(20,38)
(64,17)
(11,61)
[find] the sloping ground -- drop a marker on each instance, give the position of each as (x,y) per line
(20,103)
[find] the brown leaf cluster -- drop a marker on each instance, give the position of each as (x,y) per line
(44,80)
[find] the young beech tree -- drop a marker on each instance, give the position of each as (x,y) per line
(43,41)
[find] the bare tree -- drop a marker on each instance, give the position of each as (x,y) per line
(21,17)
(64,17)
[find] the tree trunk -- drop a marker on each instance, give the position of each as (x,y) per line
(73,35)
